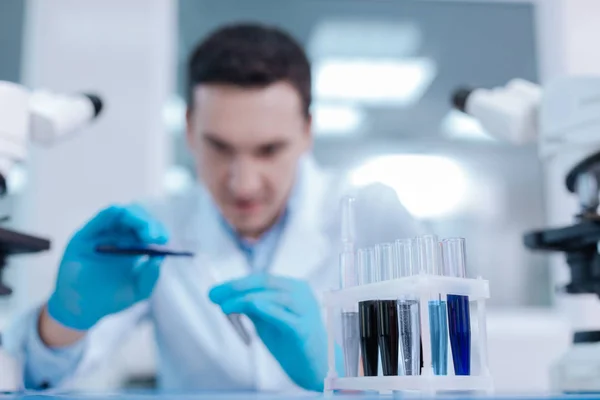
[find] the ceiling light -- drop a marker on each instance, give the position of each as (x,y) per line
(364,38)
(372,81)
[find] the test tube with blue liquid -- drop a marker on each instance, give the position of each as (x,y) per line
(429,261)
(459,322)
(409,322)
(367,313)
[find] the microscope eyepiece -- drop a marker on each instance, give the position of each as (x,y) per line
(459,98)
(3,186)
(96,101)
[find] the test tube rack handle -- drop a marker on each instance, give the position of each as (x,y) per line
(423,287)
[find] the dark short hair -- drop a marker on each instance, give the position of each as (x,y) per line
(250,55)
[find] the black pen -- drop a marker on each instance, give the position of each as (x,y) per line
(150,251)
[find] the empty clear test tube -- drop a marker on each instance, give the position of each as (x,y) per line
(387,313)
(459,322)
(349,278)
(429,261)
(409,324)
(367,313)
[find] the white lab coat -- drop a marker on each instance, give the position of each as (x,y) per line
(197,347)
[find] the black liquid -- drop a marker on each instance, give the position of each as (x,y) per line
(421,354)
(367,315)
(387,324)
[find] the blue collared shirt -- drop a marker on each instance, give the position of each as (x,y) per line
(259,254)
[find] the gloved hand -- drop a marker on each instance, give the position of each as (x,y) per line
(288,320)
(89,285)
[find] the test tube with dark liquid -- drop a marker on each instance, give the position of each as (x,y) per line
(387,313)
(429,261)
(459,322)
(367,314)
(408,313)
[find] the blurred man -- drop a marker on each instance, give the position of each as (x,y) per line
(262,224)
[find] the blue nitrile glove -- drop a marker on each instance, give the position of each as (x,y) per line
(89,285)
(288,320)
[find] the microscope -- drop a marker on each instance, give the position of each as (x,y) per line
(41,117)
(563,119)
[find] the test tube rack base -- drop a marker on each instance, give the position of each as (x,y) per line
(423,287)
(416,383)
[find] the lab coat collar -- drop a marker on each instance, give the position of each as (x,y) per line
(304,244)
(302,247)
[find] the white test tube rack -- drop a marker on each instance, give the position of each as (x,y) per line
(424,287)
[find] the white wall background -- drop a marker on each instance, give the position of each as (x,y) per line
(124,52)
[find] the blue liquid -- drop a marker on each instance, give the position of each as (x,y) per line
(460,333)
(438,327)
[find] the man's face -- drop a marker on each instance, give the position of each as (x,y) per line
(247,143)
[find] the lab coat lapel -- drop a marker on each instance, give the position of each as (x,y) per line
(206,233)
(305,244)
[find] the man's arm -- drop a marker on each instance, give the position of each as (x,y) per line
(55,335)
(45,367)
(46,363)
(90,288)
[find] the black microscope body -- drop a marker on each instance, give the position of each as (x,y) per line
(14,243)
(580,241)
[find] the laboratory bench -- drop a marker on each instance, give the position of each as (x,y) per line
(153,395)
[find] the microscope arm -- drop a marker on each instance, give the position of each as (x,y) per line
(563,118)
(508,113)
(40,117)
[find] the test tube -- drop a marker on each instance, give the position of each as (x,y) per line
(367,313)
(409,324)
(387,313)
(429,261)
(459,322)
(350,325)
(349,278)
